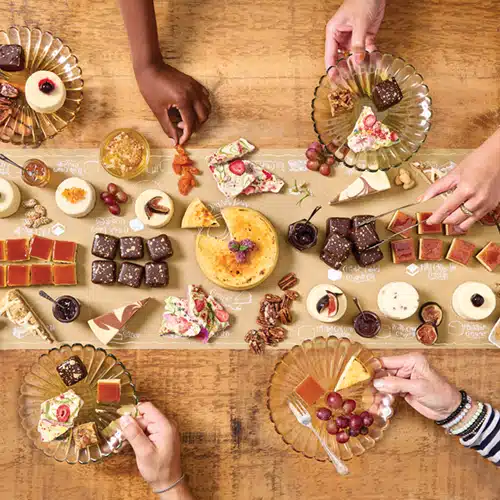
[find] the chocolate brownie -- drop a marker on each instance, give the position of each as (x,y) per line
(159,247)
(156,274)
(105,246)
(103,272)
(386,94)
(369,257)
(131,248)
(131,274)
(338,225)
(72,371)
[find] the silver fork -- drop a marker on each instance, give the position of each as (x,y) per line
(304,418)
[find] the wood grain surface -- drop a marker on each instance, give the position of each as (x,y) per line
(261,60)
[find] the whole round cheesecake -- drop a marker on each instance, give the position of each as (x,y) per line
(473,301)
(398,300)
(154,208)
(45,92)
(75,197)
(10,198)
(326,303)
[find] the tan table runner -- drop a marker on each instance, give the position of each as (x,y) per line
(434,281)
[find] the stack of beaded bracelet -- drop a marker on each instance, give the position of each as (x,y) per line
(473,425)
(457,412)
(465,410)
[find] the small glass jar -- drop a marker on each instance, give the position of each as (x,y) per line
(36,173)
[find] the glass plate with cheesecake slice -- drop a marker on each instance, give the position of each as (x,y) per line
(333,378)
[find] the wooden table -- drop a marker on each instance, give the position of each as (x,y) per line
(261,60)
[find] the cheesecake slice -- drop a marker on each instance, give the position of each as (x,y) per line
(368,183)
(354,373)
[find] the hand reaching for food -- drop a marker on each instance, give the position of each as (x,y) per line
(353,28)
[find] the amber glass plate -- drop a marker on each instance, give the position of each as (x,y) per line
(43,382)
(325,359)
(42,51)
(410,118)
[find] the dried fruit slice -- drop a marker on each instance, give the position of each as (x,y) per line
(186,183)
(460,251)
(489,256)
(431,312)
(427,334)
(424,228)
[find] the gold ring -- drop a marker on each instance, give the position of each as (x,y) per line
(466,211)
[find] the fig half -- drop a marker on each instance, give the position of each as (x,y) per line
(426,334)
(431,312)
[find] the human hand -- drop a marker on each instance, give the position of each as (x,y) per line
(411,376)
(353,28)
(156,443)
(476,184)
(167,89)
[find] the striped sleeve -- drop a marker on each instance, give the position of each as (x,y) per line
(486,441)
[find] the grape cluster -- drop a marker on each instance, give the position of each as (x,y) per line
(320,158)
(346,425)
(241,249)
(112,197)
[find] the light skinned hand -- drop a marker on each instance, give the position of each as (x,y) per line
(166,89)
(156,443)
(476,184)
(353,28)
(423,388)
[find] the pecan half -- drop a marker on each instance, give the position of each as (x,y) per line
(288,281)
(292,294)
(269,297)
(285,316)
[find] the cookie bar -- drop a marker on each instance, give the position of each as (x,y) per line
(85,435)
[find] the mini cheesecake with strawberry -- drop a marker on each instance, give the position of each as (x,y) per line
(369,134)
(326,303)
(45,92)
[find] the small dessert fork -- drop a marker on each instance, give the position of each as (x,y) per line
(304,418)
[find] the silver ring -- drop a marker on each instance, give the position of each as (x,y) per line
(466,211)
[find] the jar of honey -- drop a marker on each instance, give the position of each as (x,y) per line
(36,173)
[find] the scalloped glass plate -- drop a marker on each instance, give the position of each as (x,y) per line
(325,359)
(43,382)
(42,51)
(410,118)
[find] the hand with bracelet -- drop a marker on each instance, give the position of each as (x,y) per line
(156,443)
(424,389)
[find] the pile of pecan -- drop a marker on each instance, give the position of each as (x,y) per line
(340,99)
(36,214)
(275,311)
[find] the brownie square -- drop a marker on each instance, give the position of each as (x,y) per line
(159,247)
(131,274)
(156,274)
(386,94)
(105,246)
(365,236)
(369,257)
(331,260)
(338,225)
(337,245)
(131,248)
(103,272)
(72,371)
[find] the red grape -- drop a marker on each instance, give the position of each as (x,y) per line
(324,414)
(330,160)
(364,413)
(367,420)
(331,427)
(342,422)
(109,200)
(364,431)
(312,165)
(353,432)
(356,422)
(349,405)
(121,197)
(317,146)
(311,154)
(104,194)
(334,400)
(324,169)
(115,209)
(342,437)
(112,188)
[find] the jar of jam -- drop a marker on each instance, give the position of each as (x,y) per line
(303,234)
(66,309)
(36,173)
(367,324)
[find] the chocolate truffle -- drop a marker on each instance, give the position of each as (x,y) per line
(159,247)
(72,371)
(131,274)
(156,274)
(386,94)
(11,58)
(338,225)
(131,248)
(105,246)
(103,272)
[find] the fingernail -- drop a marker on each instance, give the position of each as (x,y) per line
(420,198)
(378,383)
(125,420)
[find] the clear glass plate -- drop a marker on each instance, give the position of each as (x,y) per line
(43,382)
(325,359)
(42,51)
(410,118)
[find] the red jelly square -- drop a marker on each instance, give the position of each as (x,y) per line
(489,256)
(426,228)
(403,251)
(401,221)
(17,250)
(430,249)
(451,230)
(41,274)
(109,391)
(461,251)
(41,248)
(64,274)
(3,277)
(64,251)
(2,250)
(18,275)
(309,390)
